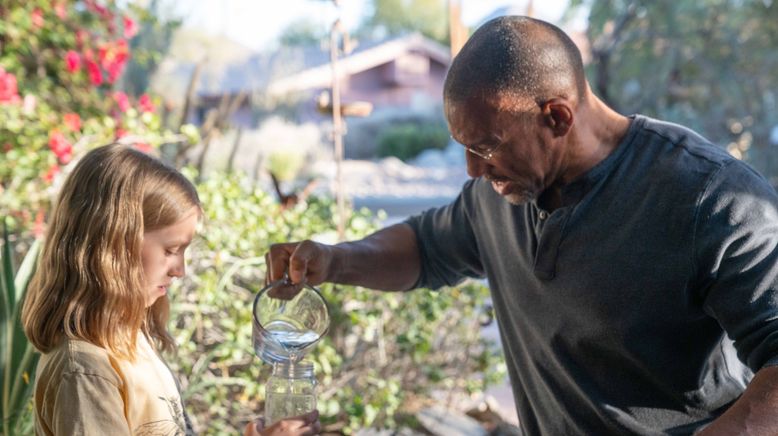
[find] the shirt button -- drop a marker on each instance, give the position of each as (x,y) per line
(543,215)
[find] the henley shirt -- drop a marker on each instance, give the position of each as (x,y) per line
(644,305)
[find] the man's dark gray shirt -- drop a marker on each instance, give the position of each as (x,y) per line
(642,306)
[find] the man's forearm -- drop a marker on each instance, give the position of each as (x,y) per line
(387,260)
(755,412)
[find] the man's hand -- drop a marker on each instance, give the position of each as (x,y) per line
(302,262)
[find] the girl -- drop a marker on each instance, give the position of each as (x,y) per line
(97,306)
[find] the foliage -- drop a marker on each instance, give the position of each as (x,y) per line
(407,139)
(18,358)
(302,32)
(153,40)
(708,64)
(397,17)
(59,65)
(382,348)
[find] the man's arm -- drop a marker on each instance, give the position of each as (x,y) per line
(387,260)
(755,412)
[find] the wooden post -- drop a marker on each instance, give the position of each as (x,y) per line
(337,129)
(457,31)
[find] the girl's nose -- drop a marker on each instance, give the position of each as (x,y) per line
(179,268)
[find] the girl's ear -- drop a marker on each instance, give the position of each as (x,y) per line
(558,116)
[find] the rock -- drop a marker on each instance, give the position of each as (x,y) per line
(387,432)
(442,422)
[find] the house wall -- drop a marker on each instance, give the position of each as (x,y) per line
(378,86)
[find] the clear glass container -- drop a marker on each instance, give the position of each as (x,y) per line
(290,391)
(288,321)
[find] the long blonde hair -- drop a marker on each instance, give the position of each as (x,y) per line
(89,283)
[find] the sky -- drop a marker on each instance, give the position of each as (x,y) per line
(256,23)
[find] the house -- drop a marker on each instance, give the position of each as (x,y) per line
(404,74)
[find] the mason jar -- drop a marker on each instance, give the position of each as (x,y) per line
(290,391)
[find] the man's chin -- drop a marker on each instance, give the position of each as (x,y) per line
(514,196)
(518,199)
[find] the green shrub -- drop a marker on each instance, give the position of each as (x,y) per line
(407,139)
(60,66)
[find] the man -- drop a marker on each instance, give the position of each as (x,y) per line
(632,268)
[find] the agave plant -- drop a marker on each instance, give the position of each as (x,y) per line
(18,358)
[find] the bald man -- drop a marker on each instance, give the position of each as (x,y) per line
(632,264)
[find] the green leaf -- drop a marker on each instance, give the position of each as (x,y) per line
(26,270)
(9,293)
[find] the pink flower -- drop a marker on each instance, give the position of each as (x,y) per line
(81,37)
(130,28)
(72,121)
(59,9)
(113,58)
(73,61)
(120,133)
(121,100)
(99,9)
(40,224)
(53,170)
(114,71)
(37,18)
(145,103)
(9,93)
(142,146)
(95,75)
(61,147)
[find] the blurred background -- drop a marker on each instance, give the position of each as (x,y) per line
(323,119)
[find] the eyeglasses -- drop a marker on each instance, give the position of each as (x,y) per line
(480,151)
(483,154)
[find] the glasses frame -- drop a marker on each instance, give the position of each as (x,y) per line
(485,156)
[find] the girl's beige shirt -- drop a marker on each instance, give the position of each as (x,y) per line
(82,389)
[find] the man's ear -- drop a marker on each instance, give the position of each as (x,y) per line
(558,115)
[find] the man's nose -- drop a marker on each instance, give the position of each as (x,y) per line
(475,165)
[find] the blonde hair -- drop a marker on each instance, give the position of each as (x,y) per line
(89,283)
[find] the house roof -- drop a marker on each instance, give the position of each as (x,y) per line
(291,69)
(320,76)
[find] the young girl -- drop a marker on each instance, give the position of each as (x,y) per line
(97,306)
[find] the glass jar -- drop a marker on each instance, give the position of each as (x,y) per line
(290,391)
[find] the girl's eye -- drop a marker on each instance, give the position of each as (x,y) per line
(170,252)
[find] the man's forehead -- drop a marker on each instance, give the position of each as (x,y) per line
(503,102)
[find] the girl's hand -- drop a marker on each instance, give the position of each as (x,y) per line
(302,425)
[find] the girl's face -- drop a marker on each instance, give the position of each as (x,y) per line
(162,254)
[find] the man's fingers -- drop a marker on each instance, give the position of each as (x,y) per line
(284,291)
(277,260)
(298,265)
